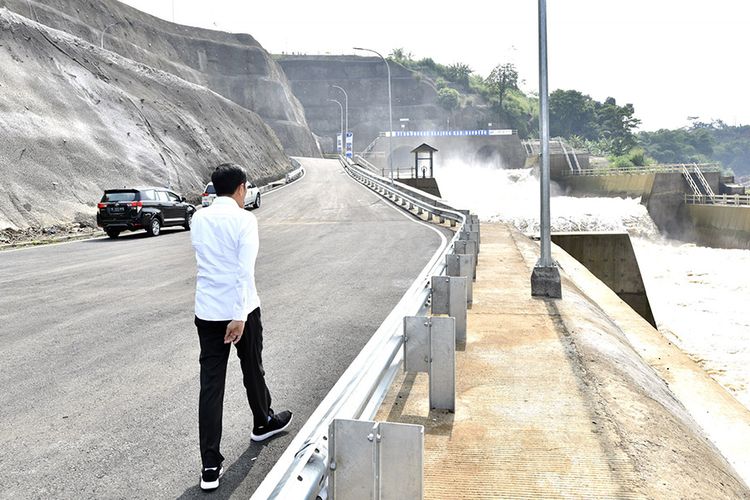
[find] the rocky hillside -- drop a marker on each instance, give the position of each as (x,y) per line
(76,120)
(233,65)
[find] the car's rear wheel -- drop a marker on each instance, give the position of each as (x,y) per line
(188,221)
(154,227)
(257,201)
(112,233)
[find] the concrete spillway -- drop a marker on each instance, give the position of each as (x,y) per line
(719,226)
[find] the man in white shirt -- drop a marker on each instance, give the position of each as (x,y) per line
(227,311)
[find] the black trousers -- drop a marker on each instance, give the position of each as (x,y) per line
(213,360)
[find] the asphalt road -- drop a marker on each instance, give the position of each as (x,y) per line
(99,369)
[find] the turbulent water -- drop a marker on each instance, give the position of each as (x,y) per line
(697,294)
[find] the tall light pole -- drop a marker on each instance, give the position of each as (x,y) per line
(346,107)
(342,123)
(390,109)
(545,279)
(101,43)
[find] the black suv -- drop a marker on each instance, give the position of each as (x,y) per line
(149,208)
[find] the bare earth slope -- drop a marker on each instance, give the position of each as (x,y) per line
(233,65)
(75,119)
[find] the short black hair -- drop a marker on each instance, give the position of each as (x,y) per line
(227,177)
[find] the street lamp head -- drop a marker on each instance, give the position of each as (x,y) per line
(359,48)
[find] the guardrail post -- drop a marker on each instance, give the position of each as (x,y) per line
(375,460)
(467,247)
(470,236)
(441,219)
(429,216)
(462,265)
(420,211)
(449,297)
(453,222)
(474,228)
(430,346)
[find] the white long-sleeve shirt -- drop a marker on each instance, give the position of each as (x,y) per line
(225,239)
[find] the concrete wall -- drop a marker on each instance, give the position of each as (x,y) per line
(428,185)
(365,81)
(609,185)
(610,257)
(720,226)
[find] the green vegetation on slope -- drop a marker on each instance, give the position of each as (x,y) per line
(459,87)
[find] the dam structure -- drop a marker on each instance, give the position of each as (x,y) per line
(399,325)
(689,202)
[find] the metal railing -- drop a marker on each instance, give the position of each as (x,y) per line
(648,169)
(691,182)
(739,200)
(363,162)
(302,470)
(702,179)
(288,178)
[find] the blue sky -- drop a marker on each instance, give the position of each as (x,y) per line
(671,59)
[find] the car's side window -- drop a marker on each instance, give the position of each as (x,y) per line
(162,196)
(148,195)
(173,197)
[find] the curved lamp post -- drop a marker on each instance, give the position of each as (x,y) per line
(101,43)
(342,123)
(346,107)
(390,109)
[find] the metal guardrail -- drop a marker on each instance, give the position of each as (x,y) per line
(294,175)
(363,162)
(738,200)
(288,178)
(302,470)
(648,169)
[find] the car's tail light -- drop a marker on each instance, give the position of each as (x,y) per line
(101,205)
(138,204)
(204,194)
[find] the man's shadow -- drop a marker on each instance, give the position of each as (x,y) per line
(233,475)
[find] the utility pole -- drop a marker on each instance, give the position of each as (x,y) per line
(545,279)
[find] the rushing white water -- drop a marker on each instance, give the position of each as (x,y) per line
(698,295)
